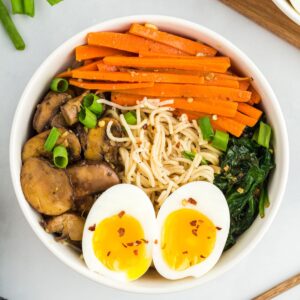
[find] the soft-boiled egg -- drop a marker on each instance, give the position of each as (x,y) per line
(191,231)
(118,233)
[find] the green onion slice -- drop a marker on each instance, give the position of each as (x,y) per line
(206,128)
(188,155)
(60,157)
(59,85)
(54,2)
(130,118)
(52,139)
(29,7)
(87,118)
(90,102)
(17,6)
(264,134)
(220,140)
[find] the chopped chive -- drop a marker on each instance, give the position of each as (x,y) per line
(52,139)
(220,140)
(188,155)
(206,128)
(264,134)
(130,118)
(59,85)
(10,27)
(60,157)
(54,2)
(90,102)
(17,6)
(87,118)
(29,7)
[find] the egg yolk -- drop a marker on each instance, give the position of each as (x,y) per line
(119,243)
(188,237)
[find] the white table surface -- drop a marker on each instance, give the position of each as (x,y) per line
(27,269)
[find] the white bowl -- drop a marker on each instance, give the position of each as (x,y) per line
(60,58)
(286,7)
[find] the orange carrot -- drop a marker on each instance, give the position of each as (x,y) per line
(229,125)
(249,110)
(129,42)
(244,119)
(255,97)
(146,53)
(244,85)
(211,106)
(102,67)
(108,86)
(183,44)
(222,82)
(91,67)
(213,64)
(190,90)
(87,62)
(89,52)
(138,77)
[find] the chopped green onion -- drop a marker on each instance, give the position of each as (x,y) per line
(206,128)
(17,6)
(264,134)
(220,140)
(54,2)
(59,85)
(204,161)
(52,139)
(10,27)
(60,157)
(29,7)
(130,118)
(90,102)
(188,155)
(87,118)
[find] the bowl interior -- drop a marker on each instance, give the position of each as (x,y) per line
(59,59)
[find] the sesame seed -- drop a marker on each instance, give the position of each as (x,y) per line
(190,100)
(151,26)
(214,117)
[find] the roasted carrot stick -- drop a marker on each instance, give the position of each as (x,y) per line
(108,86)
(255,97)
(222,82)
(183,44)
(214,64)
(91,67)
(138,77)
(129,42)
(147,53)
(190,90)
(219,107)
(230,125)
(246,120)
(244,85)
(249,110)
(102,67)
(88,62)
(89,52)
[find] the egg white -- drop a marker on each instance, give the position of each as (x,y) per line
(134,202)
(212,203)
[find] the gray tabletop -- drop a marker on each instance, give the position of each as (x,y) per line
(27,269)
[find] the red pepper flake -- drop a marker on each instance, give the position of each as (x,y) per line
(202,256)
(92,227)
(197,226)
(177,144)
(121,214)
(194,232)
(145,241)
(192,201)
(145,126)
(193,223)
(108,253)
(208,237)
(155,241)
(218,228)
(124,245)
(135,252)
(129,244)
(121,231)
(138,242)
(185,252)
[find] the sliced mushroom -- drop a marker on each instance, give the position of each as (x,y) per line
(84,204)
(67,226)
(46,188)
(48,108)
(58,121)
(88,179)
(71,109)
(99,146)
(81,133)
(34,147)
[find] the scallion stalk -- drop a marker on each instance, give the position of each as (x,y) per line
(90,102)
(87,118)
(17,6)
(59,85)
(54,2)
(130,118)
(264,134)
(60,157)
(206,128)
(52,139)
(29,7)
(220,140)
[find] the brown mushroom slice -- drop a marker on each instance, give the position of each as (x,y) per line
(58,121)
(34,147)
(47,189)
(48,108)
(84,204)
(88,179)
(99,146)
(81,133)
(71,109)
(67,226)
